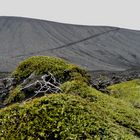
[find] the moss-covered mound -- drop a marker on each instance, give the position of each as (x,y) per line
(77,87)
(78,112)
(127,91)
(71,115)
(65,117)
(60,68)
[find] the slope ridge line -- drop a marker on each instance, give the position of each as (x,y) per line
(70,44)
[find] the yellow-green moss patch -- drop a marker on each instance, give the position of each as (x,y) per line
(127,91)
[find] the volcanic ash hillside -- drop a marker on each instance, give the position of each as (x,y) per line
(92,47)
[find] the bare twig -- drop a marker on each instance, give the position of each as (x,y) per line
(47,84)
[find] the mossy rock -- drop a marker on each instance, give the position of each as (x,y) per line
(61,69)
(65,116)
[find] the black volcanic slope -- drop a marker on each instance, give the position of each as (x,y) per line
(92,47)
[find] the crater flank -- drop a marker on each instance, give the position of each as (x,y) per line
(92,47)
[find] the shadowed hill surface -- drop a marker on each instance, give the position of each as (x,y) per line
(94,48)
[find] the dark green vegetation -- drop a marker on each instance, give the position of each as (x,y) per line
(78,112)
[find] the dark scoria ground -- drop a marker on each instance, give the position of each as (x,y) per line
(102,79)
(92,47)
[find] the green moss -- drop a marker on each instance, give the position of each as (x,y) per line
(61,69)
(62,116)
(127,91)
(80,112)
(77,87)
(15,95)
(76,73)
(120,112)
(43,64)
